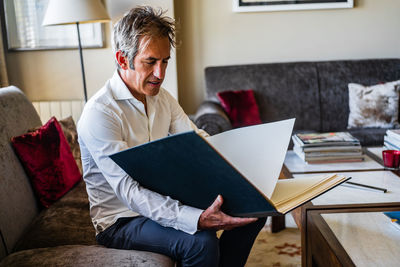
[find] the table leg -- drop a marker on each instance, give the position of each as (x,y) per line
(278,223)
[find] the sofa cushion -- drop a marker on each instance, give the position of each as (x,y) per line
(66,222)
(369,136)
(334,77)
(83,256)
(241,107)
(373,106)
(71,134)
(3,249)
(48,160)
(282,91)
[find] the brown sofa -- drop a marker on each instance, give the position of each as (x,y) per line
(62,235)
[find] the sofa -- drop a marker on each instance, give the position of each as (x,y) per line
(61,235)
(315,93)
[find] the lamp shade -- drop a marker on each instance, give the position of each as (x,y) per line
(61,12)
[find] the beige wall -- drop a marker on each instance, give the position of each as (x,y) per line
(56,74)
(212,34)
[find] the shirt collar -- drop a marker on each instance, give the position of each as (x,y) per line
(119,89)
(121,92)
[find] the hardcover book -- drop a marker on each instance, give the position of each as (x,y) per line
(392,139)
(394,133)
(243,165)
(330,156)
(394,217)
(325,139)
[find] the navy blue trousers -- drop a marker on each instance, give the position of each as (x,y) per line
(201,249)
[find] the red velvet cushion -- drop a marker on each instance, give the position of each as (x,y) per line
(241,107)
(48,161)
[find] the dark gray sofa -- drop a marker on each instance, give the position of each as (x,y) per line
(315,93)
(62,235)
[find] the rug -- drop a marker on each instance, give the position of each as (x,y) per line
(277,249)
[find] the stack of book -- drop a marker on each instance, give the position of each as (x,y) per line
(333,147)
(392,139)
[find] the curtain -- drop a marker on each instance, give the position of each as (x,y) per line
(3,66)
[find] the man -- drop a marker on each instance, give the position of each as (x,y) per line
(132,109)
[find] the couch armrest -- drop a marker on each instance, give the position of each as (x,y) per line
(211,117)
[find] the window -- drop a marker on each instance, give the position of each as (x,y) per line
(23,21)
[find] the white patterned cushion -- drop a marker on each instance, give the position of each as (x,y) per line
(374,106)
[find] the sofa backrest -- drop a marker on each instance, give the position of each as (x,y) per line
(282,90)
(18,204)
(314,92)
(334,77)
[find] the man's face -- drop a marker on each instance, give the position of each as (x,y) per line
(150,65)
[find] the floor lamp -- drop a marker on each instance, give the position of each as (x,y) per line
(63,12)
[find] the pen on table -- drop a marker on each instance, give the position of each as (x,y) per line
(384,190)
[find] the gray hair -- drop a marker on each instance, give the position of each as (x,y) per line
(139,22)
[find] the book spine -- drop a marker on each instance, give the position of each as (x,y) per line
(391,140)
(335,161)
(332,154)
(390,146)
(390,143)
(333,148)
(393,135)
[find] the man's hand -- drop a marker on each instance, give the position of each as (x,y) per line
(214,219)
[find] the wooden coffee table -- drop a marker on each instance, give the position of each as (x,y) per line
(352,238)
(346,199)
(342,199)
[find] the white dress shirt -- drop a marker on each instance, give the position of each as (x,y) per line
(113,120)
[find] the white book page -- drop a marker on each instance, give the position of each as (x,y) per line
(257,152)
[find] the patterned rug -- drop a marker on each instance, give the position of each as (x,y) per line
(277,249)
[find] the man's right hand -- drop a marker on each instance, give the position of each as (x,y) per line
(214,219)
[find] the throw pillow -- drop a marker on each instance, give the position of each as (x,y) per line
(241,107)
(69,129)
(48,161)
(373,106)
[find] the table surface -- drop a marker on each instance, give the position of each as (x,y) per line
(296,165)
(349,194)
(369,238)
(345,198)
(377,151)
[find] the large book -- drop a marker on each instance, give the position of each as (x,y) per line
(325,139)
(243,165)
(394,216)
(391,144)
(394,134)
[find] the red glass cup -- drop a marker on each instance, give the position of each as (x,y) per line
(391,159)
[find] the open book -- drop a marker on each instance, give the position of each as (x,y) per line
(243,165)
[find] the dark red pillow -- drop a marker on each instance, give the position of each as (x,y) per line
(241,107)
(48,161)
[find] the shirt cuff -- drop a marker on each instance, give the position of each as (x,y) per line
(188,219)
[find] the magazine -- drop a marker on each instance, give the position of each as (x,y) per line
(325,139)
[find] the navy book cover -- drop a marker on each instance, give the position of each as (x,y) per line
(187,168)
